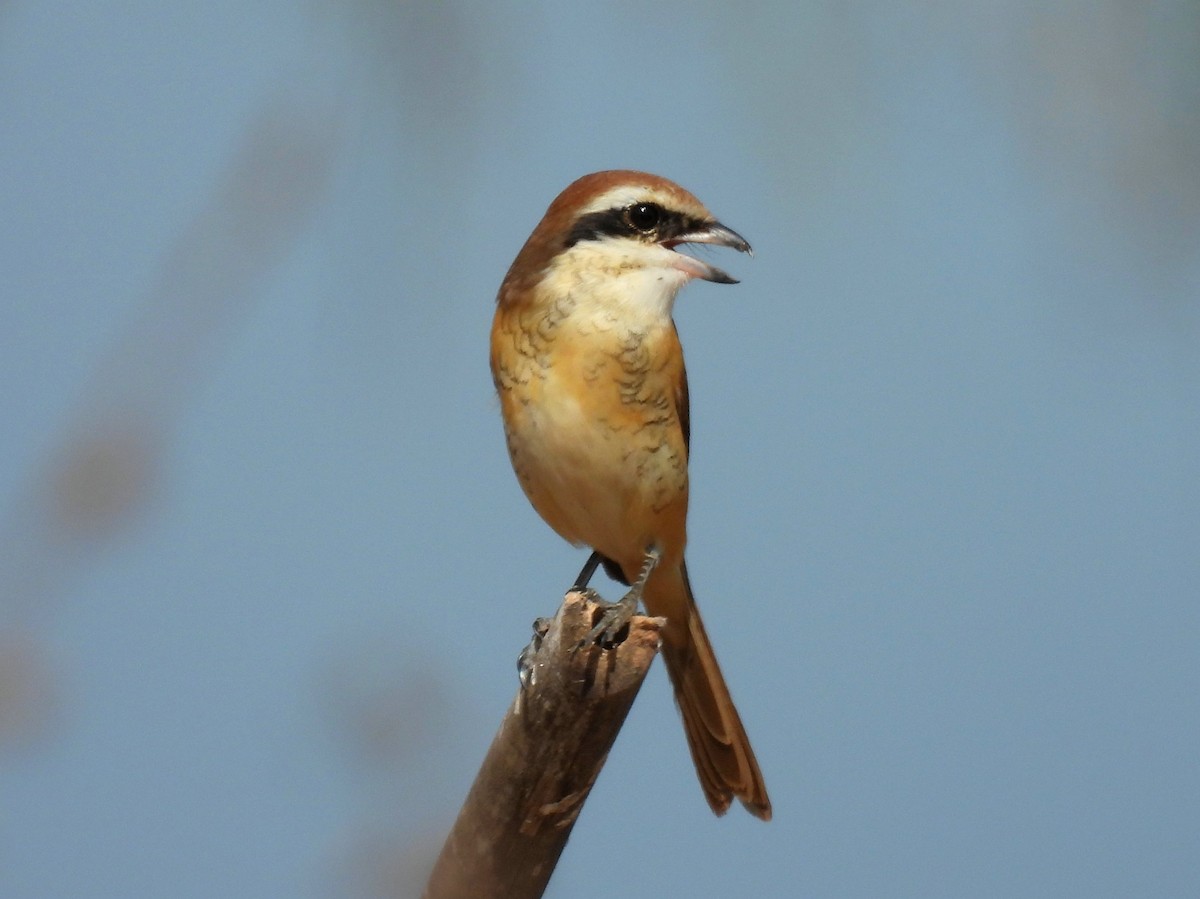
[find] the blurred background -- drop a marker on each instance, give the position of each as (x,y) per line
(265,570)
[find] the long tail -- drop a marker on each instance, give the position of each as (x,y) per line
(721,750)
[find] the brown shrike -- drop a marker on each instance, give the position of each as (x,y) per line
(589,369)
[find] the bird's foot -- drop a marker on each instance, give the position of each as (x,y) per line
(614,617)
(526,669)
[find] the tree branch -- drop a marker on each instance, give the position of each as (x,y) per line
(543,761)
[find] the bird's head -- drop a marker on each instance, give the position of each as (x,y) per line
(621,230)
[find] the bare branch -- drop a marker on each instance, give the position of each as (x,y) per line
(543,761)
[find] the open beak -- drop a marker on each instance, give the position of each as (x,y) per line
(711,233)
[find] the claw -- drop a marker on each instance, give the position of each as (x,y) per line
(615,617)
(526,669)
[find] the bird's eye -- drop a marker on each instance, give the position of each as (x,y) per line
(644,217)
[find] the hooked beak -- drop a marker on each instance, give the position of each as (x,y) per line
(711,233)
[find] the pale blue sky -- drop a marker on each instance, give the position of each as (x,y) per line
(945,490)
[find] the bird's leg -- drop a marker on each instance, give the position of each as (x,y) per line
(585,576)
(616,615)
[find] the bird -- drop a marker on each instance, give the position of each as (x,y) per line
(589,370)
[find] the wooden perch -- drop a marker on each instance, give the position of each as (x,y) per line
(543,761)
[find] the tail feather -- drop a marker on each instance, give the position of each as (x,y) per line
(721,751)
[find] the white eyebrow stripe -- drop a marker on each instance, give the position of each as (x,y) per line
(626,195)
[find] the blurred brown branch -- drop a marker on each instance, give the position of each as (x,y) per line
(543,761)
(102,472)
